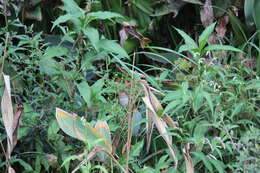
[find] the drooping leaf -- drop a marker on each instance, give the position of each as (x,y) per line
(206,14)
(153,105)
(75,127)
(112,46)
(103,128)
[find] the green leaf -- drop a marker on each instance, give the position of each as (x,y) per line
(85,92)
(185,47)
(55,51)
(248,10)
(76,127)
(207,96)
(222,47)
(237,108)
(92,35)
(24,164)
(218,165)
(104,15)
(254,84)
(204,159)
(53,130)
(188,40)
(193,1)
(112,46)
(47,64)
(137,148)
(203,38)
(257,14)
(63,19)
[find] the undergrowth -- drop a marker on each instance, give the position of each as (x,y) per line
(89,105)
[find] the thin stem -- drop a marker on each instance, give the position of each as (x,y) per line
(4,53)
(129,117)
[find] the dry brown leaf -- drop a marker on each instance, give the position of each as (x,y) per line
(115,143)
(149,131)
(11,170)
(234,10)
(206,14)
(16,122)
(8,115)
(130,29)
(153,105)
(188,160)
(221,28)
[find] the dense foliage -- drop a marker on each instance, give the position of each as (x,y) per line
(130,86)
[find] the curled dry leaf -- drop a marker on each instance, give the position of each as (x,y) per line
(153,105)
(10,119)
(7,113)
(130,29)
(188,160)
(221,28)
(234,10)
(206,14)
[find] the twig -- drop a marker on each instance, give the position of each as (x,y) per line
(130,119)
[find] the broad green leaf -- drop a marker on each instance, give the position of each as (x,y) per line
(70,6)
(204,159)
(104,15)
(98,85)
(222,47)
(47,64)
(203,38)
(188,40)
(55,51)
(76,127)
(112,46)
(220,166)
(92,35)
(63,19)
(85,92)
(137,148)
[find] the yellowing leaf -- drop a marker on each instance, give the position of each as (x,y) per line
(76,127)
